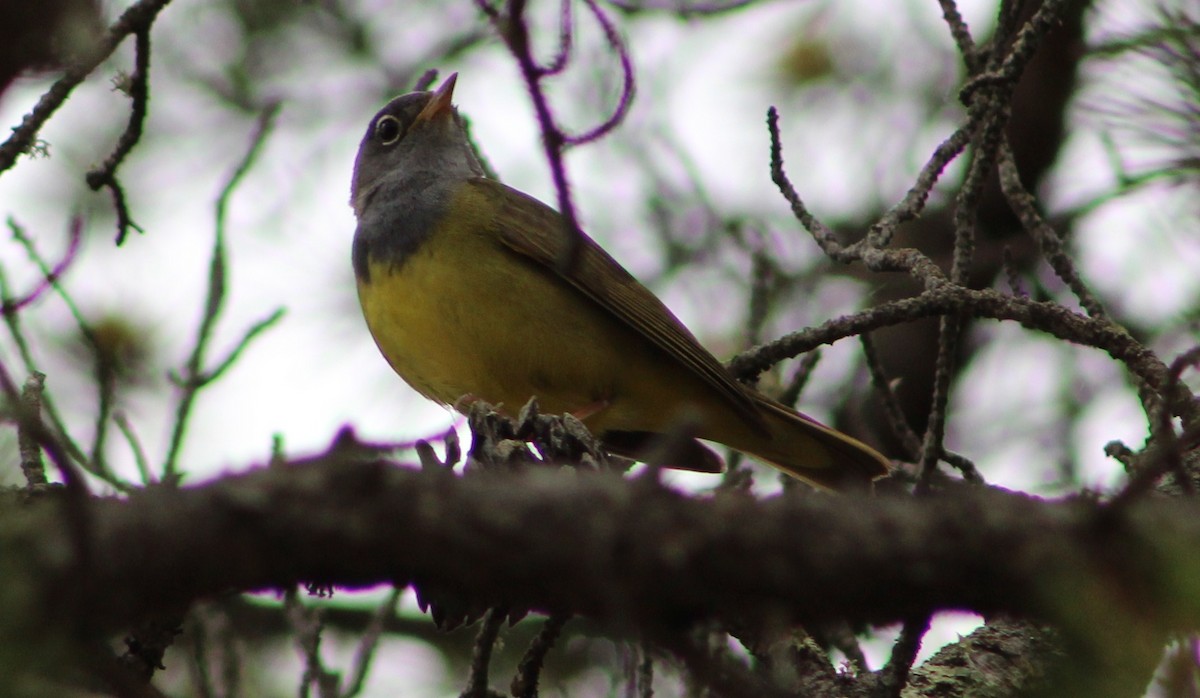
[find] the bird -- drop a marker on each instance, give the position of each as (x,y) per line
(463,287)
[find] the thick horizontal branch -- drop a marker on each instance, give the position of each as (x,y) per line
(631,554)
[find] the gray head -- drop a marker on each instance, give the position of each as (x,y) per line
(418,136)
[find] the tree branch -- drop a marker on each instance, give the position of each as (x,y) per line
(630,554)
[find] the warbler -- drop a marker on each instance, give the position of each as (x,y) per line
(462,286)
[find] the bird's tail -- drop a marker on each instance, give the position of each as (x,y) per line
(811,451)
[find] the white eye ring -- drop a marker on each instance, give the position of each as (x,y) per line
(388,129)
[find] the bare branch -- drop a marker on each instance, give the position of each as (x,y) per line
(1050,318)
(525,683)
(32,465)
(140,16)
(513,28)
(139,93)
(481,656)
(195,375)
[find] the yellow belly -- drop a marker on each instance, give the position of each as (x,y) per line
(465,316)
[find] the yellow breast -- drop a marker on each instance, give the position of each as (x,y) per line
(464,316)
(461,315)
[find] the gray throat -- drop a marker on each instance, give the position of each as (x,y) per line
(399,215)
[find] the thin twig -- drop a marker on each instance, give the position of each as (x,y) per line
(94,462)
(514,30)
(645,673)
(910,207)
(307,626)
(216,666)
(12,321)
(880,234)
(966,211)
(515,33)
(963,465)
(1051,318)
(949,332)
(723,674)
(901,429)
(808,364)
(894,676)
(1004,67)
(140,15)
(1167,453)
(566,36)
(896,420)
(823,236)
(1023,204)
(135,445)
(369,642)
(194,376)
(32,466)
(199,668)
(961,34)
(525,683)
(628,84)
(50,275)
(139,95)
(481,655)
(240,346)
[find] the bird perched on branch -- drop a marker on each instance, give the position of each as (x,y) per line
(463,286)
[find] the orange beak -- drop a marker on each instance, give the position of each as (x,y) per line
(439,105)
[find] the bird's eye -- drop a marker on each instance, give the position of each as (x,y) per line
(388,129)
